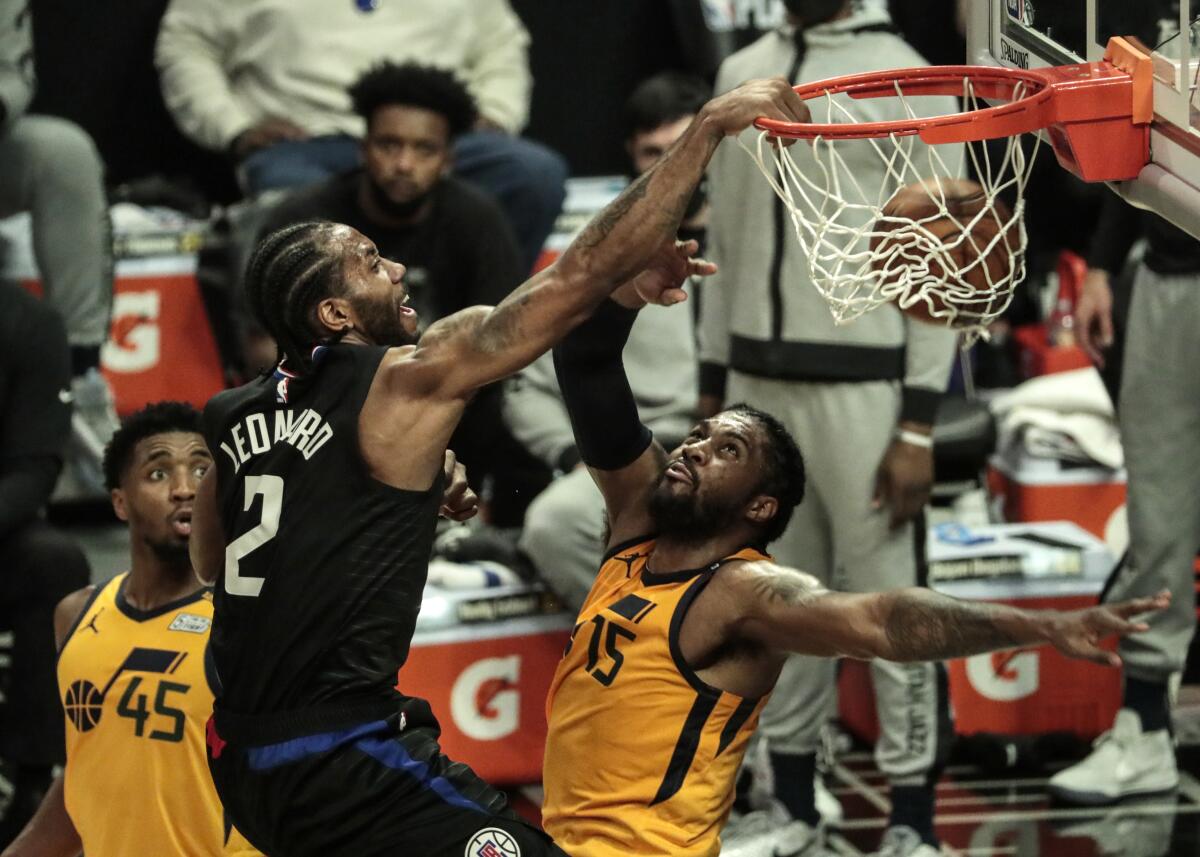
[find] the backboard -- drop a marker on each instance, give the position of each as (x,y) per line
(1040,33)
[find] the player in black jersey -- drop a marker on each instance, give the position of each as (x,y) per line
(317,522)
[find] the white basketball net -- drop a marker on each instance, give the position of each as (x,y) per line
(836,218)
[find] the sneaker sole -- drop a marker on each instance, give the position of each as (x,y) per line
(1102,798)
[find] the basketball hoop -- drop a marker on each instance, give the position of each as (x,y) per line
(940,248)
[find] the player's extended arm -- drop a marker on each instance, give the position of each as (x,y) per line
(789,611)
(50,833)
(479,345)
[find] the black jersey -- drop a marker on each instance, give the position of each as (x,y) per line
(324,565)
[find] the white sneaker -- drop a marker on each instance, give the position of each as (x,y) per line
(902,841)
(828,806)
(1125,761)
(770,832)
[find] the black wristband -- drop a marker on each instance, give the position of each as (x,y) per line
(608,432)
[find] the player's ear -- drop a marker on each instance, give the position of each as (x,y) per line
(335,315)
(762,509)
(118,503)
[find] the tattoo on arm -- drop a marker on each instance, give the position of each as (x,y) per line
(503,327)
(924,626)
(782,586)
(600,227)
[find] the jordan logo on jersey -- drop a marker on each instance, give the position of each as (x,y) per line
(91,625)
(83,702)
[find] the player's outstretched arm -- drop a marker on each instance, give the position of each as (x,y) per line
(477,346)
(50,833)
(789,611)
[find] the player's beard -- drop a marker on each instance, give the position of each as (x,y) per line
(171,552)
(382,322)
(402,211)
(688,517)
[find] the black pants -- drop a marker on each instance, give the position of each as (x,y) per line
(39,566)
(369,790)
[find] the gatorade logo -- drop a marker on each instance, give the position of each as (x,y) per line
(1004,676)
(485,701)
(134,342)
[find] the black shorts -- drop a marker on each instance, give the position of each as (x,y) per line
(374,789)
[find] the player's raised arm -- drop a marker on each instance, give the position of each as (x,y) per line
(480,345)
(785,610)
(622,456)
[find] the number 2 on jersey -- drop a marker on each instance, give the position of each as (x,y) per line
(271,489)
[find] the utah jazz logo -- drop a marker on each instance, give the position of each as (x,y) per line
(84,702)
(492,842)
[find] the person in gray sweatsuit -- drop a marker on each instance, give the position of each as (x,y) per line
(50,168)
(860,400)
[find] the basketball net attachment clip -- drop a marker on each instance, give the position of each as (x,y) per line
(941,248)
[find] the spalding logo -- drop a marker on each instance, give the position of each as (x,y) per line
(1004,676)
(485,702)
(492,842)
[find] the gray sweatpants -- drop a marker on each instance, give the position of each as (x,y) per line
(1160,430)
(843,431)
(50,168)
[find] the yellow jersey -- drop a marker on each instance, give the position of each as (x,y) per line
(137,695)
(641,754)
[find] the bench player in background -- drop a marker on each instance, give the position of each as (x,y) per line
(688,624)
(132,673)
(318,519)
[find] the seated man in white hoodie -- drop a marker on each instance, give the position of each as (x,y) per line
(266,82)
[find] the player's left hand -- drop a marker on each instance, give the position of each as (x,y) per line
(903,482)
(661,281)
(1078,633)
(459,501)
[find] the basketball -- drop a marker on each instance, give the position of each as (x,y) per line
(944,232)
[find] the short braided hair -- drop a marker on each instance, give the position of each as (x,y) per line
(783,476)
(291,270)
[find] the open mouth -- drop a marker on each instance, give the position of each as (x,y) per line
(677,471)
(181,524)
(405,309)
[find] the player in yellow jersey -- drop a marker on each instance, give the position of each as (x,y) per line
(684,632)
(132,672)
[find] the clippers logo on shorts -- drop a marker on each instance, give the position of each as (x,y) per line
(492,842)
